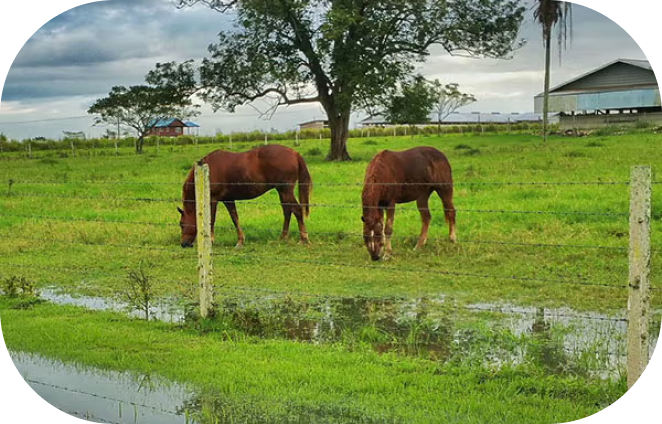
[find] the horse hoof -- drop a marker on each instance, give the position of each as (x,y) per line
(239,246)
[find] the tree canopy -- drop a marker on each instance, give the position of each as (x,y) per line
(413,104)
(140,107)
(448,98)
(343,54)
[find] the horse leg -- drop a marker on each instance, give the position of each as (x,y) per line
(446,195)
(287,197)
(388,230)
(426,217)
(287,215)
(214,207)
(232,210)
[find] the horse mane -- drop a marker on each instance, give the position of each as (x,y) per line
(188,192)
(373,176)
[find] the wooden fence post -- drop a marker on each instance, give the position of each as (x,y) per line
(639,278)
(203,223)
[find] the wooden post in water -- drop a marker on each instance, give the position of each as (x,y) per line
(640,268)
(203,223)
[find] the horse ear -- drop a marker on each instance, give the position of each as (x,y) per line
(181,212)
(362,219)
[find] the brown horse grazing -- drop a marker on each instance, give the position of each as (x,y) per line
(242,176)
(401,177)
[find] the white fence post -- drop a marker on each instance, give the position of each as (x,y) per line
(203,223)
(639,276)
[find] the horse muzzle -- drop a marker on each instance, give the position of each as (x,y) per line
(187,244)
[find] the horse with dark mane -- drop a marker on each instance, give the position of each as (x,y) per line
(402,177)
(247,175)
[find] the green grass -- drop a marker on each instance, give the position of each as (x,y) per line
(278,381)
(67,222)
(487,265)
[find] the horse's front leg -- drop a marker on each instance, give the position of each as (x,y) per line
(287,216)
(388,230)
(214,208)
(232,210)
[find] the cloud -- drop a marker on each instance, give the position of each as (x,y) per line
(93,47)
(14,109)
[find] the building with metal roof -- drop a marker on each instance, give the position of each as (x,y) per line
(171,127)
(620,92)
(466,118)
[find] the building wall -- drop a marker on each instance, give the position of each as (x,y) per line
(584,122)
(167,131)
(625,99)
(313,125)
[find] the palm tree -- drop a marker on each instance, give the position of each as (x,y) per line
(549,13)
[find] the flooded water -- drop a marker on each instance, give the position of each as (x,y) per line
(559,339)
(103,396)
(167,310)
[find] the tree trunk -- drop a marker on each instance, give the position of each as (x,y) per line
(545,104)
(139,144)
(339,133)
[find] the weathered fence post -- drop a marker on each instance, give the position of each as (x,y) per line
(203,223)
(639,278)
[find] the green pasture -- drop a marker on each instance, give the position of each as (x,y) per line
(539,226)
(82,223)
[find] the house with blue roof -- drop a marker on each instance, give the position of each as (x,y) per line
(171,127)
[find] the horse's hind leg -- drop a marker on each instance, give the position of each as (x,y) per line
(232,210)
(426,217)
(446,195)
(287,199)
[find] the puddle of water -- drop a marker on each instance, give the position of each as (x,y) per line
(103,396)
(167,310)
(423,327)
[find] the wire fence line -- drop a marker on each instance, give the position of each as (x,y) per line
(336,234)
(101,220)
(332,184)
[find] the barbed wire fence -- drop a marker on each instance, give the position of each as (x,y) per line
(639,249)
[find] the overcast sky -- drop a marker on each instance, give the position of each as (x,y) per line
(79,55)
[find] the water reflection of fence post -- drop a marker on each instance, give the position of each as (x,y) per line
(639,278)
(203,223)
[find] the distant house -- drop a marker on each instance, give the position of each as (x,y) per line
(172,127)
(316,124)
(620,92)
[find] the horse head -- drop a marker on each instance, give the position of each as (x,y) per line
(188,226)
(373,235)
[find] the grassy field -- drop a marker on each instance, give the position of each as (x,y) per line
(538,226)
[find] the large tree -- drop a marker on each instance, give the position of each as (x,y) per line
(549,13)
(342,54)
(141,107)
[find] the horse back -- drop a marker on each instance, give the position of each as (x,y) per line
(393,176)
(247,175)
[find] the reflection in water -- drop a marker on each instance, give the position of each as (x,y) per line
(103,396)
(560,340)
(555,341)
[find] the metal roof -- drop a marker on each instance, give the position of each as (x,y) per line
(162,123)
(643,64)
(468,118)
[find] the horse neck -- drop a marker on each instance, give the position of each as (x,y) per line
(188,194)
(370,197)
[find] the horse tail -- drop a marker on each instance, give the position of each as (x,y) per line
(445,192)
(305,186)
